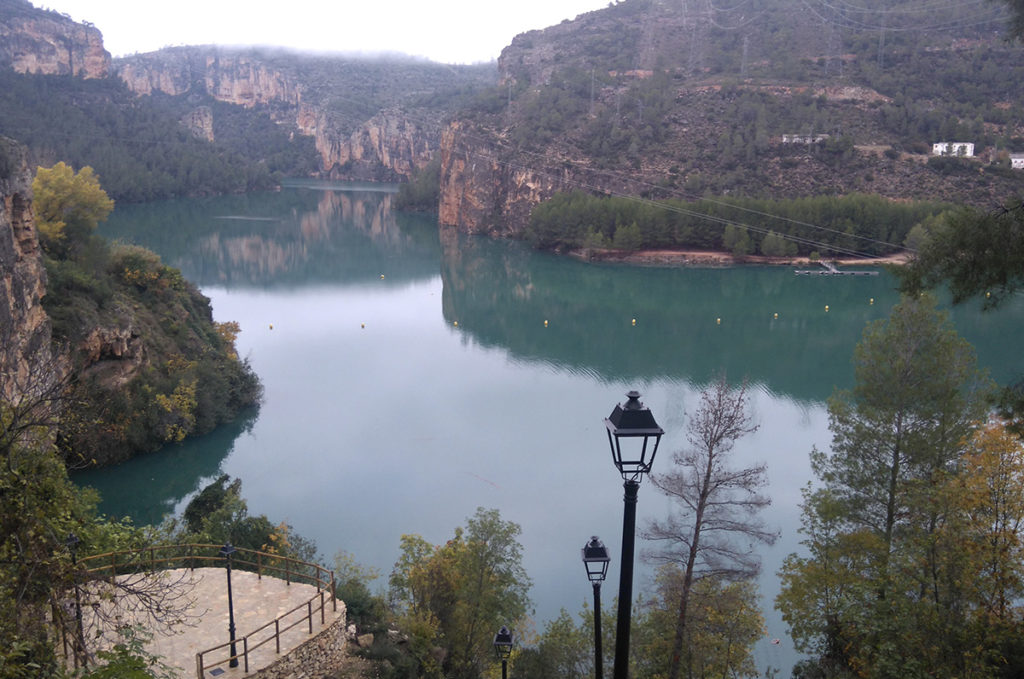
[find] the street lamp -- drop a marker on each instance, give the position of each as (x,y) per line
(226,551)
(631,431)
(503,641)
(595,560)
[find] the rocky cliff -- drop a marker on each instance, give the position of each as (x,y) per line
(24,326)
(36,41)
(388,146)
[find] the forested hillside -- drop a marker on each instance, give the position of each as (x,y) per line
(769,100)
(138,148)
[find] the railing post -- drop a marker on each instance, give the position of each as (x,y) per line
(259,565)
(288,571)
(199,665)
(334,596)
(191,559)
(245,652)
(277,635)
(322,607)
(309,614)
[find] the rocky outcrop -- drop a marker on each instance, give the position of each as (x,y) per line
(46,42)
(199,121)
(112,355)
(486,188)
(24,325)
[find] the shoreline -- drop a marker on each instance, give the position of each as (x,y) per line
(720,259)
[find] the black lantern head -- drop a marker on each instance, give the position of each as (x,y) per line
(503,641)
(595,559)
(227,550)
(634,437)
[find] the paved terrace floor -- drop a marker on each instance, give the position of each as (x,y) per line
(256,602)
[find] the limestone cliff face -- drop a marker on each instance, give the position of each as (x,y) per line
(24,326)
(386,147)
(487,189)
(234,78)
(35,41)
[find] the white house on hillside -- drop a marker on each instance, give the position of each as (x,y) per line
(1017,161)
(803,138)
(964,149)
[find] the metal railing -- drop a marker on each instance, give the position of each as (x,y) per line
(251,641)
(150,559)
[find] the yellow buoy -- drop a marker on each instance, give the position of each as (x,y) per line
(634,321)
(545,322)
(871,301)
(776,315)
(382,276)
(987,295)
(826,308)
(718,321)
(456,324)
(362,325)
(271,326)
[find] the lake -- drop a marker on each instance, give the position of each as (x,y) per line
(413,375)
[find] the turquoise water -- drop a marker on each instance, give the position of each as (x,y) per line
(412,376)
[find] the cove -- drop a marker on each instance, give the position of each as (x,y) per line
(414,374)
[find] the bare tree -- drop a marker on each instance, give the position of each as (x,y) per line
(714,532)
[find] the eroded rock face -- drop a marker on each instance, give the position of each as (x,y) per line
(387,147)
(199,121)
(24,325)
(483,189)
(113,355)
(46,42)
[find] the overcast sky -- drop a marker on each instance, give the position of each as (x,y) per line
(449,31)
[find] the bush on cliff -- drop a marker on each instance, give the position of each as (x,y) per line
(150,365)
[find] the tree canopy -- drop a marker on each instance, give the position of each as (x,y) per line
(892,534)
(68,206)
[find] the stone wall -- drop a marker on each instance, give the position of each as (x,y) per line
(317,657)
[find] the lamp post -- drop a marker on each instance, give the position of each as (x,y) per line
(503,641)
(226,551)
(595,560)
(72,544)
(631,428)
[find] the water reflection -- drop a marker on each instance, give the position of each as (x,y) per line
(296,237)
(152,486)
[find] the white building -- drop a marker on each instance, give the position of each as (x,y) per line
(803,138)
(964,149)
(1017,161)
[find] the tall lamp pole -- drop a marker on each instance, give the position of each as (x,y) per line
(595,560)
(633,436)
(503,641)
(226,551)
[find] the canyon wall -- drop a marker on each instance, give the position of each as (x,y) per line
(24,326)
(387,147)
(46,42)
